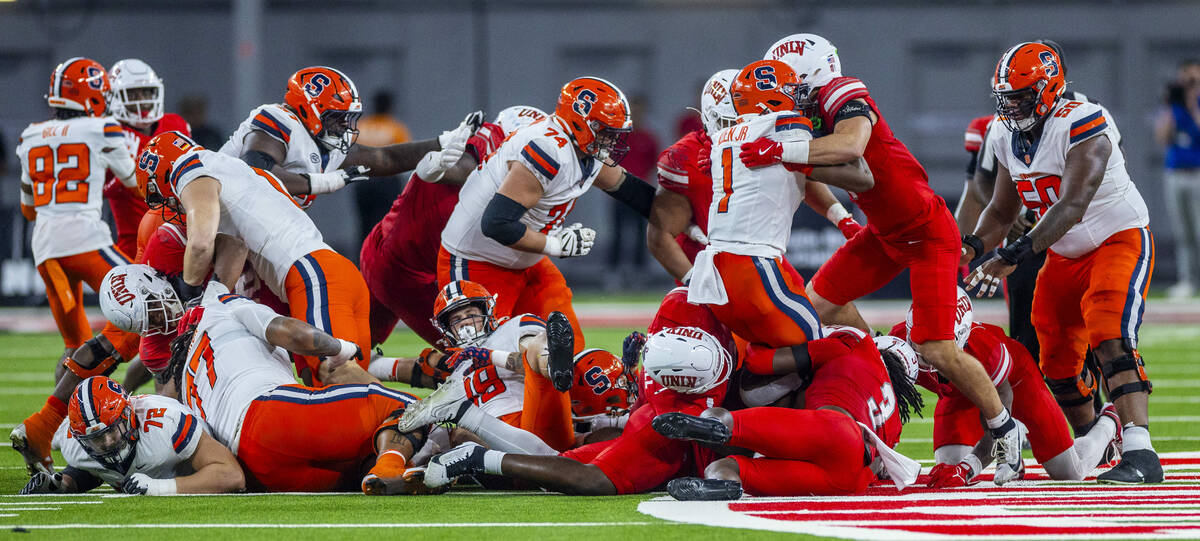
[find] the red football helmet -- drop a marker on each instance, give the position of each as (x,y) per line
(156,172)
(102,420)
(79,84)
(1027,83)
(765,86)
(454,297)
(596,114)
(601,384)
(326,101)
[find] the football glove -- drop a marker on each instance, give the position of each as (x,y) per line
(572,241)
(947,476)
(473,358)
(349,350)
(761,152)
(631,350)
(704,160)
(140,483)
(849,227)
(464,130)
(319,183)
(44,483)
(694,232)
(434,164)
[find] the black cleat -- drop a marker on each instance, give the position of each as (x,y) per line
(1136,468)
(560,345)
(695,488)
(681,426)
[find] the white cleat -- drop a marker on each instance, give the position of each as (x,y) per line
(1007,449)
(465,459)
(440,406)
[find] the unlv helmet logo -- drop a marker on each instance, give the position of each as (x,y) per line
(120,293)
(583,102)
(764,77)
(317,84)
(716,91)
(1050,62)
(95,77)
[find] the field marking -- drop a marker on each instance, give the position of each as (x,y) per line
(1153,438)
(44,503)
(33,508)
(26,391)
(293,525)
(1177,383)
(1175,400)
(46,377)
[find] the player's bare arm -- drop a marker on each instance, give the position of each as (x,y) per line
(670,215)
(457,175)
(203,210)
(229,259)
(216,470)
(997,217)
(976,193)
(299,337)
(391,159)
(27,210)
(519,191)
(847,142)
(1084,171)
(852,177)
(266,152)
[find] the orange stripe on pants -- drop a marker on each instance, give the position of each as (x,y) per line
(326,290)
(64,278)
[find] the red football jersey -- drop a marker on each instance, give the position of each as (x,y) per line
(849,373)
(164,252)
(973,140)
(987,342)
(675,311)
(901,197)
(678,172)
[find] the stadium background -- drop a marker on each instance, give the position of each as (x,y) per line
(927,64)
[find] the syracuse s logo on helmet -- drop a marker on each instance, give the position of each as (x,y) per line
(1050,62)
(597,379)
(95,77)
(583,102)
(764,77)
(317,84)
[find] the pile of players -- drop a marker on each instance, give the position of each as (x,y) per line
(749,381)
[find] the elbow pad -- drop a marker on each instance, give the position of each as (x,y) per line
(259,159)
(502,220)
(635,193)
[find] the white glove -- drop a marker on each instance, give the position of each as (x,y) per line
(349,351)
(464,130)
(571,241)
(694,232)
(140,483)
(319,183)
(435,164)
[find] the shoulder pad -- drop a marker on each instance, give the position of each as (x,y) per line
(834,95)
(976,129)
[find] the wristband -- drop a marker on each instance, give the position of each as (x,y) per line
(795,152)
(687,277)
(837,213)
(320,183)
(1017,251)
(500,358)
(346,352)
(429,168)
(553,247)
(161,487)
(975,243)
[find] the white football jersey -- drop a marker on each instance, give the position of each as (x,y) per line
(546,150)
(1037,173)
(495,389)
(64,163)
(168,434)
(753,208)
(304,154)
(256,209)
(230,363)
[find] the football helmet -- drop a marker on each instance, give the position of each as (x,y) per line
(135,93)
(79,84)
(155,165)
(518,116)
(765,86)
(327,104)
(814,59)
(137,300)
(964,318)
(716,105)
(686,359)
(601,384)
(452,298)
(596,115)
(887,344)
(1028,81)
(102,421)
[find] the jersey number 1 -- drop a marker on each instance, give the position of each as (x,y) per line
(726,179)
(70,184)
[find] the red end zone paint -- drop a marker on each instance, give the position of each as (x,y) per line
(1025,509)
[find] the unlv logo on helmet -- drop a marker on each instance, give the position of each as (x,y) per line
(764,77)
(317,84)
(119,292)
(679,382)
(716,91)
(964,307)
(583,102)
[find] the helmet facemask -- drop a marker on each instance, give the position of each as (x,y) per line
(1018,108)
(467,324)
(339,130)
(163,312)
(137,106)
(610,145)
(113,446)
(156,200)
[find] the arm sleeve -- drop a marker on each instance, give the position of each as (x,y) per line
(501,220)
(253,316)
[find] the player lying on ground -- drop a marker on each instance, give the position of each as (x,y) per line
(141,444)
(962,448)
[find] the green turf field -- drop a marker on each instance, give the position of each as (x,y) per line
(26,373)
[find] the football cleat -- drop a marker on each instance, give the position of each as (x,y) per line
(466,459)
(34,445)
(442,405)
(681,426)
(560,345)
(1007,449)
(1137,467)
(695,488)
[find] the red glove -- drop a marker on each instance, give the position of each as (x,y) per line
(190,317)
(474,357)
(761,152)
(704,160)
(947,476)
(849,227)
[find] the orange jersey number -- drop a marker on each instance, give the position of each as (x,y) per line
(484,385)
(153,414)
(70,184)
(1040,193)
(203,352)
(558,213)
(727,178)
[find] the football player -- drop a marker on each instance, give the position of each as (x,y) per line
(235,212)
(135,99)
(307,142)
(602,394)
(908,225)
(511,210)
(1061,159)
(142,444)
(399,256)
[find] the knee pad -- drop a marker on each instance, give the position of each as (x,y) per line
(1072,392)
(96,357)
(1131,362)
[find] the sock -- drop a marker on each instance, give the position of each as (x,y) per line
(1135,438)
(389,464)
(383,368)
(491,461)
(999,421)
(502,436)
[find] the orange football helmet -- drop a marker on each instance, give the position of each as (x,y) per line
(1027,83)
(327,103)
(601,384)
(765,86)
(596,115)
(79,84)
(455,296)
(156,173)
(102,420)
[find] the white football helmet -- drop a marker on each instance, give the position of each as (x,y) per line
(716,105)
(813,57)
(137,300)
(903,350)
(686,359)
(518,116)
(135,93)
(963,320)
